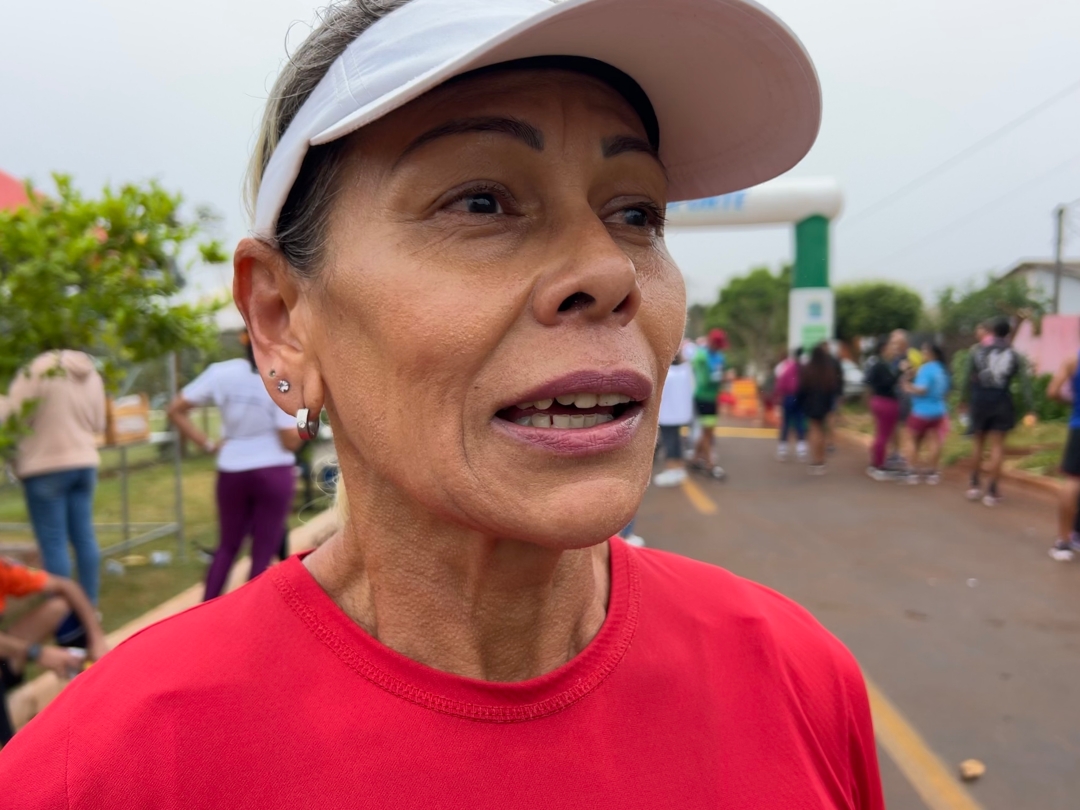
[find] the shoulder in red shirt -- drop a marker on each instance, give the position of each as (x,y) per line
(701,690)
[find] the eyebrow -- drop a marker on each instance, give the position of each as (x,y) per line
(514,127)
(529,135)
(621,144)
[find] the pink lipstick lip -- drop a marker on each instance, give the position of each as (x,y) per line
(577,442)
(627,382)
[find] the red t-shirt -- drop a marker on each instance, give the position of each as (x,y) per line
(701,690)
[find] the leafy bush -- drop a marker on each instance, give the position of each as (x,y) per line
(1045,408)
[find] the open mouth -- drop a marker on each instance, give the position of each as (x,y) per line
(571,411)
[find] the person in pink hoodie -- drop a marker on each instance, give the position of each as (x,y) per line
(58,463)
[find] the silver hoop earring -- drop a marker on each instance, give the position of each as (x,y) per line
(306,427)
(283,386)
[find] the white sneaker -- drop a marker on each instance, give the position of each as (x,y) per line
(800,451)
(635,540)
(1062,551)
(669,478)
(782,452)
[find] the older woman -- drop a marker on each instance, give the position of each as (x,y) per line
(459,254)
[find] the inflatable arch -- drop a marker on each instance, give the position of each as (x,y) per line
(808,203)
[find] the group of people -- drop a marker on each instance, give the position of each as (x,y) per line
(911,388)
(689,405)
(808,389)
(908,391)
(61,398)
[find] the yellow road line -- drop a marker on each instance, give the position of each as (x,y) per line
(746,433)
(924,770)
(702,502)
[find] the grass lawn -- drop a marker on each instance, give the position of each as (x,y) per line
(151,500)
(1036,448)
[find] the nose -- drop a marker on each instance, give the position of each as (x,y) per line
(593,279)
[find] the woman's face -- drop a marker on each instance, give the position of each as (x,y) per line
(498,309)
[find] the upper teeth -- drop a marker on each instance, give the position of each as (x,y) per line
(578,401)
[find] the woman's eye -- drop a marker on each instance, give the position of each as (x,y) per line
(482,203)
(641,216)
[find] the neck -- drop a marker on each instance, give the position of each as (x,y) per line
(457,600)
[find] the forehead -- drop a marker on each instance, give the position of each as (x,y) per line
(536,96)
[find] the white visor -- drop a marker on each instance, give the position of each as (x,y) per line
(735,94)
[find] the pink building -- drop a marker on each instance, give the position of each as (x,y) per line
(1058,340)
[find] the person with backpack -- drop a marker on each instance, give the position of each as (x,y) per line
(988,395)
(792,419)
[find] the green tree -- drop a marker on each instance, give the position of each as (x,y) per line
(98,275)
(871,308)
(960,310)
(753,310)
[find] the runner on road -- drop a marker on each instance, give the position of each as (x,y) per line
(928,412)
(991,372)
(792,419)
(709,375)
(676,414)
(1067,546)
(883,379)
(817,394)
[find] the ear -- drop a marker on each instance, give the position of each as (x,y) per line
(271,299)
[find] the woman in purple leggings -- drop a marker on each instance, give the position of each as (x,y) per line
(254,459)
(883,377)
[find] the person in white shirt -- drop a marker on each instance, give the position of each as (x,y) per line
(255,461)
(676,413)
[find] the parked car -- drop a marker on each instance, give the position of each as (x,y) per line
(853,379)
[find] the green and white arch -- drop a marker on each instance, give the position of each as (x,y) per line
(810,204)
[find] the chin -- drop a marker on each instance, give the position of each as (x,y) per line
(576,515)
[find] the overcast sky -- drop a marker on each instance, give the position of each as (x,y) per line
(119,90)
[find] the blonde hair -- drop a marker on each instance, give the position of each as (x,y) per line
(301,230)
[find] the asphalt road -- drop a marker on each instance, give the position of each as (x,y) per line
(959,617)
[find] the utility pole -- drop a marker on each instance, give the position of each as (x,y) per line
(1059,215)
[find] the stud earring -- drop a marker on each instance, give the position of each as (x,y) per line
(283,386)
(305,426)
(272,374)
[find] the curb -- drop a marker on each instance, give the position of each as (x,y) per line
(32,697)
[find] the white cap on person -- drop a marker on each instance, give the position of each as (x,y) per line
(736,97)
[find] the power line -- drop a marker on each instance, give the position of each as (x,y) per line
(973,214)
(962,155)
